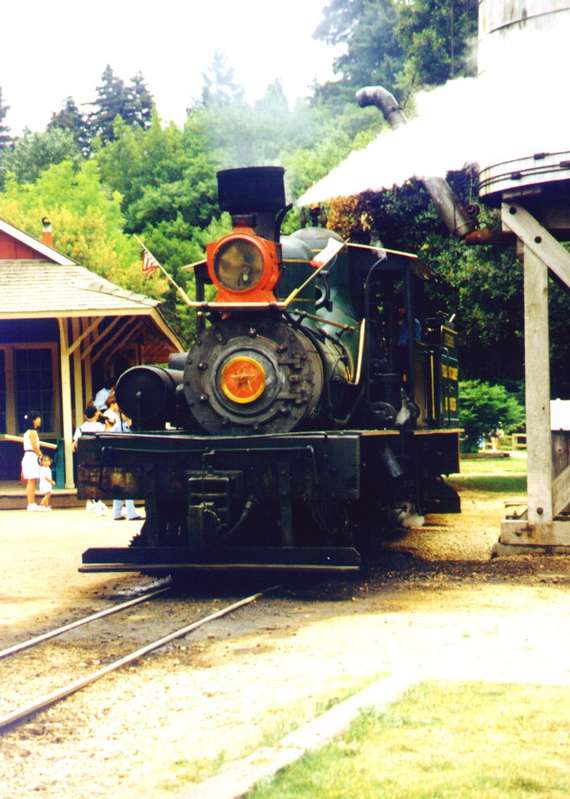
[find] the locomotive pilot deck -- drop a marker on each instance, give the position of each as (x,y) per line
(201,484)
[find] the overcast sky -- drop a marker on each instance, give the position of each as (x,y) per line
(51,50)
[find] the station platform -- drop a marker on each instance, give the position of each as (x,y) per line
(13,496)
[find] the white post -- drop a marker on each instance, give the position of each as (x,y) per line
(537,389)
(66,402)
(77,376)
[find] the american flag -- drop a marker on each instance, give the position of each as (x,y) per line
(333,247)
(149,263)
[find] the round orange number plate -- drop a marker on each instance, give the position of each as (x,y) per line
(243,379)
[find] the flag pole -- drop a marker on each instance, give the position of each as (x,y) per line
(318,269)
(169,277)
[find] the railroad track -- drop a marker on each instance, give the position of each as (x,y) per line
(47,700)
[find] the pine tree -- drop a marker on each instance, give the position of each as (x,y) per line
(70,118)
(139,103)
(5,138)
(219,86)
(399,44)
(372,52)
(111,102)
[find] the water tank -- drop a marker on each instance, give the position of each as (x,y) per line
(499,20)
(508,31)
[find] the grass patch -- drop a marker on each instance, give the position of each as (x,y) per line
(491,483)
(280,721)
(495,476)
(192,770)
(499,466)
(276,723)
(441,741)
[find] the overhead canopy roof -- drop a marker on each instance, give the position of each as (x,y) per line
(44,289)
(38,289)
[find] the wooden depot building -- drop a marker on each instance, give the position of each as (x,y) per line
(63,331)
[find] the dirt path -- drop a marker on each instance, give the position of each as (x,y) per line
(435,605)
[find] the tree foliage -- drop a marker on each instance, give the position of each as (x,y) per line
(219,85)
(132,103)
(372,50)
(158,181)
(86,217)
(398,44)
(70,118)
(437,39)
(486,408)
(32,153)
(5,138)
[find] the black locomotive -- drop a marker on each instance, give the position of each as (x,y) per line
(320,396)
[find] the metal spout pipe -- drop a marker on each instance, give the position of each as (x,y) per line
(454,216)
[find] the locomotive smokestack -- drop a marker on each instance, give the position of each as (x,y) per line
(454,216)
(257,192)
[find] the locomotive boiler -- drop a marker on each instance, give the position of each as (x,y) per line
(319,398)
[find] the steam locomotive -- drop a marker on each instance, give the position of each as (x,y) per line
(319,397)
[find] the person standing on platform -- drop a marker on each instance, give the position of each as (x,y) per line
(90,424)
(121,424)
(102,396)
(32,454)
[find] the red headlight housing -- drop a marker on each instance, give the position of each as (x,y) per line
(244,267)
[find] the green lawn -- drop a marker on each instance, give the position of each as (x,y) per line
(473,466)
(495,475)
(444,741)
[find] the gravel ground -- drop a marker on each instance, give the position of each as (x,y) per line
(434,603)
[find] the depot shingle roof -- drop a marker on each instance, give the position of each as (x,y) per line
(43,288)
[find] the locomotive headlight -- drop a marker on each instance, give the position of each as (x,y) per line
(244,267)
(243,379)
(238,264)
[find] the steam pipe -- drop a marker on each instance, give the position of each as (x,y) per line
(455,217)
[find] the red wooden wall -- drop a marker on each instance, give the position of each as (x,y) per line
(13,249)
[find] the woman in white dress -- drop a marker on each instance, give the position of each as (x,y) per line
(30,461)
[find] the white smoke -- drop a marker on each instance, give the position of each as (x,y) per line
(517,107)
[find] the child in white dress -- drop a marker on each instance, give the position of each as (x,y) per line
(46,482)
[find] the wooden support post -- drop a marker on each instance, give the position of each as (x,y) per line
(537,389)
(540,531)
(88,379)
(66,402)
(90,327)
(79,402)
(10,389)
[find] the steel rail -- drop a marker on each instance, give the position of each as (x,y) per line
(11,650)
(43,702)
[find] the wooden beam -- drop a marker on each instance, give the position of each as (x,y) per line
(79,401)
(132,332)
(64,313)
(86,332)
(66,402)
(167,332)
(11,421)
(20,440)
(561,491)
(537,389)
(113,339)
(522,534)
(101,335)
(537,239)
(88,378)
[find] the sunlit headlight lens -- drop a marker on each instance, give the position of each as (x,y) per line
(243,379)
(238,265)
